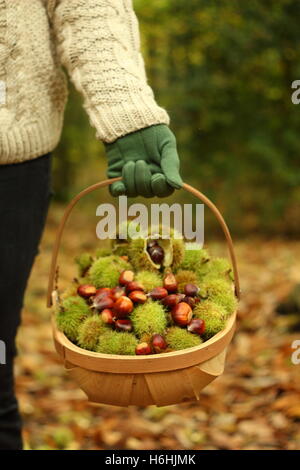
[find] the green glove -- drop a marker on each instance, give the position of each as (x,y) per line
(148,162)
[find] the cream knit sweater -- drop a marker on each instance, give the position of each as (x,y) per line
(98,43)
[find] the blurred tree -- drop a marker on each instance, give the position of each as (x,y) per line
(223,70)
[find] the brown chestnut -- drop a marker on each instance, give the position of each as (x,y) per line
(171,300)
(107,316)
(86,290)
(143,349)
(189,300)
(197,326)
(158,343)
(117,292)
(158,293)
(126,277)
(104,291)
(122,307)
(101,302)
(134,285)
(170,282)
(138,297)
(191,290)
(182,314)
(156,254)
(123,325)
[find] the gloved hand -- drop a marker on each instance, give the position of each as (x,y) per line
(148,162)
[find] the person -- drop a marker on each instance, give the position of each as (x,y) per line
(97,42)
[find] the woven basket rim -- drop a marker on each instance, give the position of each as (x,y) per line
(141,364)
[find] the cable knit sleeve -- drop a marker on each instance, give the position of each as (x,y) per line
(98,42)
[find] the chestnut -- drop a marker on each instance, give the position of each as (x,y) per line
(151,244)
(134,285)
(104,291)
(191,290)
(101,302)
(182,314)
(117,292)
(86,290)
(107,316)
(126,277)
(170,282)
(123,325)
(197,326)
(156,254)
(158,343)
(172,300)
(189,300)
(122,307)
(138,297)
(143,349)
(158,293)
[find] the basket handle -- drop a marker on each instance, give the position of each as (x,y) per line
(105,183)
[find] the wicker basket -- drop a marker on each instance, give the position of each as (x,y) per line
(162,379)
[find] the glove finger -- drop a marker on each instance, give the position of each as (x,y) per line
(160,187)
(111,173)
(117,189)
(128,175)
(143,179)
(154,168)
(170,165)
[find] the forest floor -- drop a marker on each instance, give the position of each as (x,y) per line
(255,404)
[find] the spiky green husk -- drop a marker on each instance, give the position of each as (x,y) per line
(194,259)
(89,332)
(121,249)
(179,338)
(119,246)
(220,292)
(138,257)
(105,272)
(184,277)
(208,308)
(102,252)
(149,279)
(83,262)
(218,268)
(213,315)
(178,252)
(69,291)
(72,312)
(113,342)
(149,318)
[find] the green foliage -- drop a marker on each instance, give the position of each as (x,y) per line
(89,332)
(220,292)
(183,277)
(70,315)
(114,342)
(223,70)
(149,279)
(213,315)
(179,338)
(149,318)
(105,272)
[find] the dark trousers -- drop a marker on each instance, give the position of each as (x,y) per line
(24,198)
